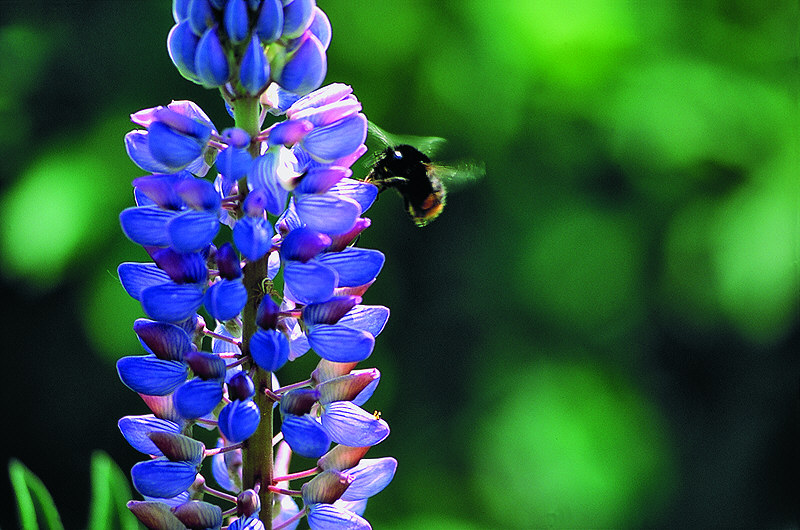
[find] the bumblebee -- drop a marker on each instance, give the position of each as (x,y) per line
(408,170)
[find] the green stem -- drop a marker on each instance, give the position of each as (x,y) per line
(257,450)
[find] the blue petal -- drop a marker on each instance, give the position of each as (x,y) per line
(362,192)
(355,266)
(370,318)
(269,349)
(220,471)
(192,230)
(235,20)
(189,267)
(147,225)
(171,302)
(198,194)
(264,174)
(234,162)
(254,70)
(138,148)
(150,375)
(196,398)
(200,16)
(337,140)
(136,277)
(182,45)
(309,282)
(225,299)
(329,312)
(305,436)
(210,61)
(161,189)
(329,517)
(306,68)
(253,237)
(371,475)
(321,27)
(238,420)
(269,25)
(340,344)
(302,244)
(172,148)
(136,430)
(328,213)
(162,478)
(297,17)
(166,341)
(349,424)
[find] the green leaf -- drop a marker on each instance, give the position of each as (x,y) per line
(110,494)
(36,508)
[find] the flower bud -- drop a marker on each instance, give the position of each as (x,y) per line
(327,487)
(254,68)
(299,401)
(247,503)
(297,17)
(177,447)
(228,262)
(267,313)
(205,365)
(235,20)
(289,132)
(210,61)
(305,68)
(236,137)
(182,47)
(200,16)
(241,387)
(199,515)
(196,398)
(269,25)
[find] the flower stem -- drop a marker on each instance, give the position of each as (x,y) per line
(257,450)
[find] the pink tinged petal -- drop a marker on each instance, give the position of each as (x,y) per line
(171,302)
(349,160)
(326,144)
(310,282)
(320,180)
(329,113)
(321,27)
(342,241)
(306,68)
(288,510)
(348,387)
(330,517)
(146,226)
(357,507)
(325,95)
(136,277)
(138,148)
(340,344)
(225,299)
(371,475)
(162,478)
(328,213)
(192,230)
(370,318)
(362,192)
(355,266)
(289,132)
(162,407)
(166,341)
(349,424)
(150,375)
(136,429)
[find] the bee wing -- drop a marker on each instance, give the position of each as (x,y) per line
(460,175)
(429,145)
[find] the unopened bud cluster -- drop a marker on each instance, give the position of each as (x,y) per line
(216,208)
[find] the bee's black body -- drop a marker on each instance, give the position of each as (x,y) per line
(410,172)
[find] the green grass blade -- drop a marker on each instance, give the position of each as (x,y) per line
(35,505)
(110,493)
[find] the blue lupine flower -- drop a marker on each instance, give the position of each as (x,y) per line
(288,196)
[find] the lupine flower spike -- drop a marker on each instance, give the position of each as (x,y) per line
(254,228)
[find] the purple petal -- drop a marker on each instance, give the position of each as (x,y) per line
(320,180)
(136,277)
(182,46)
(321,27)
(340,344)
(162,478)
(166,341)
(297,17)
(329,312)
(355,266)
(171,302)
(302,244)
(150,375)
(267,171)
(349,424)
(254,69)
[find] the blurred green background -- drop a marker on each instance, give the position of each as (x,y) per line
(602,332)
